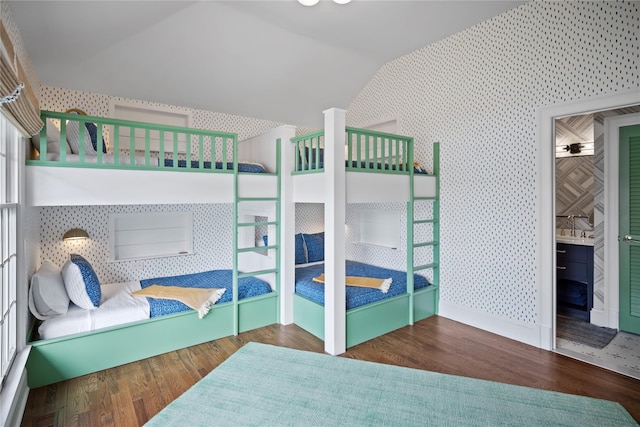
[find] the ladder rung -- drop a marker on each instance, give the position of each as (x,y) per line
(256,273)
(425,198)
(423,244)
(256,248)
(425,266)
(254,224)
(425,221)
(257,199)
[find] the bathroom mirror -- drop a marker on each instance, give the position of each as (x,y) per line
(590,220)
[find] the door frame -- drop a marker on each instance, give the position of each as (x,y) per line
(545,139)
(612,127)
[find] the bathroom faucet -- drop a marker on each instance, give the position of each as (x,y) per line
(572,218)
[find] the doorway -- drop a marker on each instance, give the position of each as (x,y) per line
(580,244)
(624,102)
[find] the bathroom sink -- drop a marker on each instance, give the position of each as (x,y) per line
(585,241)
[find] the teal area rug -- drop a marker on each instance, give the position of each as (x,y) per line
(266,385)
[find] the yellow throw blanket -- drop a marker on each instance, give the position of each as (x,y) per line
(200,299)
(363,282)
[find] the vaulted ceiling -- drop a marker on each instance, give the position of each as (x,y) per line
(274,60)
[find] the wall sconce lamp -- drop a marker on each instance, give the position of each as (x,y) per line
(75,234)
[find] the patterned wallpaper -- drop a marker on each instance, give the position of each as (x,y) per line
(212,234)
(477,93)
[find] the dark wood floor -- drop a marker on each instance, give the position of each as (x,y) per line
(131,394)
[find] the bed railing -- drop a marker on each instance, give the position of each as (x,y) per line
(120,144)
(365,151)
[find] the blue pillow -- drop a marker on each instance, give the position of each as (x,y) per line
(301,256)
(93,134)
(315,246)
(81,283)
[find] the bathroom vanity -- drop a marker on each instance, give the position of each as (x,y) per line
(574,263)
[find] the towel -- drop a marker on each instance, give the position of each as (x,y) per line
(199,299)
(363,282)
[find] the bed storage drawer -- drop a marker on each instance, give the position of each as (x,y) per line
(257,312)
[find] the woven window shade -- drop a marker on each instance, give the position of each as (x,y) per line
(24,110)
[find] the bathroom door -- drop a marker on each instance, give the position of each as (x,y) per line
(629,236)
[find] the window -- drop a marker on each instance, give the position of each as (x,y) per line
(380,228)
(9,169)
(150,235)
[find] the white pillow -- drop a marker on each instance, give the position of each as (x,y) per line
(73,138)
(81,283)
(53,139)
(47,294)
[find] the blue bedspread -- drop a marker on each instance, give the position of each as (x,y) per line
(247,287)
(242,167)
(355,296)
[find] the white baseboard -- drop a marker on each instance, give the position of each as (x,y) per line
(606,318)
(535,335)
(599,317)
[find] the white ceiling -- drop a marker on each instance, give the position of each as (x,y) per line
(268,59)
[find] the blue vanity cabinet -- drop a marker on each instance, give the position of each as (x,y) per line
(574,265)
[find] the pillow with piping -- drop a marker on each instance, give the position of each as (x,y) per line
(81,282)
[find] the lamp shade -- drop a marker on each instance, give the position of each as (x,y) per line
(75,234)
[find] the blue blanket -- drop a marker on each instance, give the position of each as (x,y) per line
(242,167)
(247,287)
(355,296)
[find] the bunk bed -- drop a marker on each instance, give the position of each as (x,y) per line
(175,160)
(373,167)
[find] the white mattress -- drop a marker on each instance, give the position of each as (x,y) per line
(117,307)
(107,159)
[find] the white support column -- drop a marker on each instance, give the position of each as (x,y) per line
(287,224)
(334,220)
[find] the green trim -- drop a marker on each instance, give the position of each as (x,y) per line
(629,224)
(135,128)
(308,315)
(260,311)
(254,224)
(355,139)
(68,357)
(271,310)
(305,172)
(257,273)
(363,323)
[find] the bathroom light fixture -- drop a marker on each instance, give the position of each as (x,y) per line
(314,2)
(585,148)
(75,234)
(575,148)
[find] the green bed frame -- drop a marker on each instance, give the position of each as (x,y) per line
(371,320)
(59,359)
(381,317)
